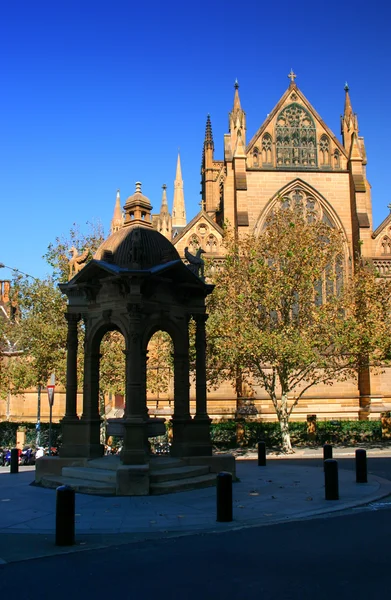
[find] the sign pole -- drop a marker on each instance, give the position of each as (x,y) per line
(50,389)
(50,429)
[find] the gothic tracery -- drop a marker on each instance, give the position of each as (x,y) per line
(295,138)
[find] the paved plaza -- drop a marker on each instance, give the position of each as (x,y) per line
(279,492)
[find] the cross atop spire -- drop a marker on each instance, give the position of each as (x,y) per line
(346,86)
(292,76)
(236,84)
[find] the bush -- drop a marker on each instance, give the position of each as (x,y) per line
(224,434)
(8,434)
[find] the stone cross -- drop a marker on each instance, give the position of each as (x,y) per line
(292,76)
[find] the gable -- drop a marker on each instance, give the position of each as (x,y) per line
(295,137)
(201,232)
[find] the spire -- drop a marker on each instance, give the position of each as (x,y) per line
(236,96)
(348,112)
(237,119)
(164,206)
(349,122)
(208,143)
(118,219)
(178,206)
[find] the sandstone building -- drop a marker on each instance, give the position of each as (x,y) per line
(294,156)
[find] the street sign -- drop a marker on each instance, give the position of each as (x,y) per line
(50,389)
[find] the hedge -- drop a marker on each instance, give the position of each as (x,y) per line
(8,434)
(224,433)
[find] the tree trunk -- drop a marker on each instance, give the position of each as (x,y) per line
(284,425)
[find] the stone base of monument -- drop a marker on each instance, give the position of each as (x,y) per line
(108,476)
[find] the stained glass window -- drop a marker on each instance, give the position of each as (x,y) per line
(295,138)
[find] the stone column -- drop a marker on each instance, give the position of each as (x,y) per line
(134,449)
(71,384)
(201,410)
(198,437)
(73,431)
(91,385)
(181,419)
(181,386)
(91,419)
(135,398)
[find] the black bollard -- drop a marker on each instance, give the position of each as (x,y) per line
(331,479)
(14,464)
(327,452)
(65,516)
(224,497)
(261,454)
(361,466)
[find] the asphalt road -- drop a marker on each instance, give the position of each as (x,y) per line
(330,558)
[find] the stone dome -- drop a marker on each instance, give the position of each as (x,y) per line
(137,247)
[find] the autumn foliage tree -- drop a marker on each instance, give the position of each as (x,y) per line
(288,312)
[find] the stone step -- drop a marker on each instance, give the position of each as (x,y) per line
(110,462)
(173,474)
(97,488)
(181,485)
(157,463)
(89,474)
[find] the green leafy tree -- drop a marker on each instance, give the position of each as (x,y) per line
(287,314)
(160,363)
(58,253)
(38,332)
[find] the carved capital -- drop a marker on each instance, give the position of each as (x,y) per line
(72,319)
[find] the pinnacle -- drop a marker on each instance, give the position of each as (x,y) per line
(208,132)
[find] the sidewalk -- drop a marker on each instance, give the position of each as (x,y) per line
(276,493)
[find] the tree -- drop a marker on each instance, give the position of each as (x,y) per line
(58,253)
(288,313)
(160,363)
(39,332)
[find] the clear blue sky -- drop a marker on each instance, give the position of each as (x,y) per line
(96,95)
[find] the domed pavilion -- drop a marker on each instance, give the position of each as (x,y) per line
(135,284)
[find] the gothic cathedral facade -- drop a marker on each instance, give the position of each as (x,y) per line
(293,156)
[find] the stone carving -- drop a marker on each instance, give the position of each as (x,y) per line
(136,251)
(196,264)
(77,262)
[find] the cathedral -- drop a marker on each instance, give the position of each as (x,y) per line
(294,156)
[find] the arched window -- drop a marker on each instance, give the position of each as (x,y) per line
(266,149)
(295,138)
(324,151)
(211,243)
(255,157)
(310,206)
(194,243)
(386,245)
(305,201)
(336,159)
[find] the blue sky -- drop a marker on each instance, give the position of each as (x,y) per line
(96,95)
